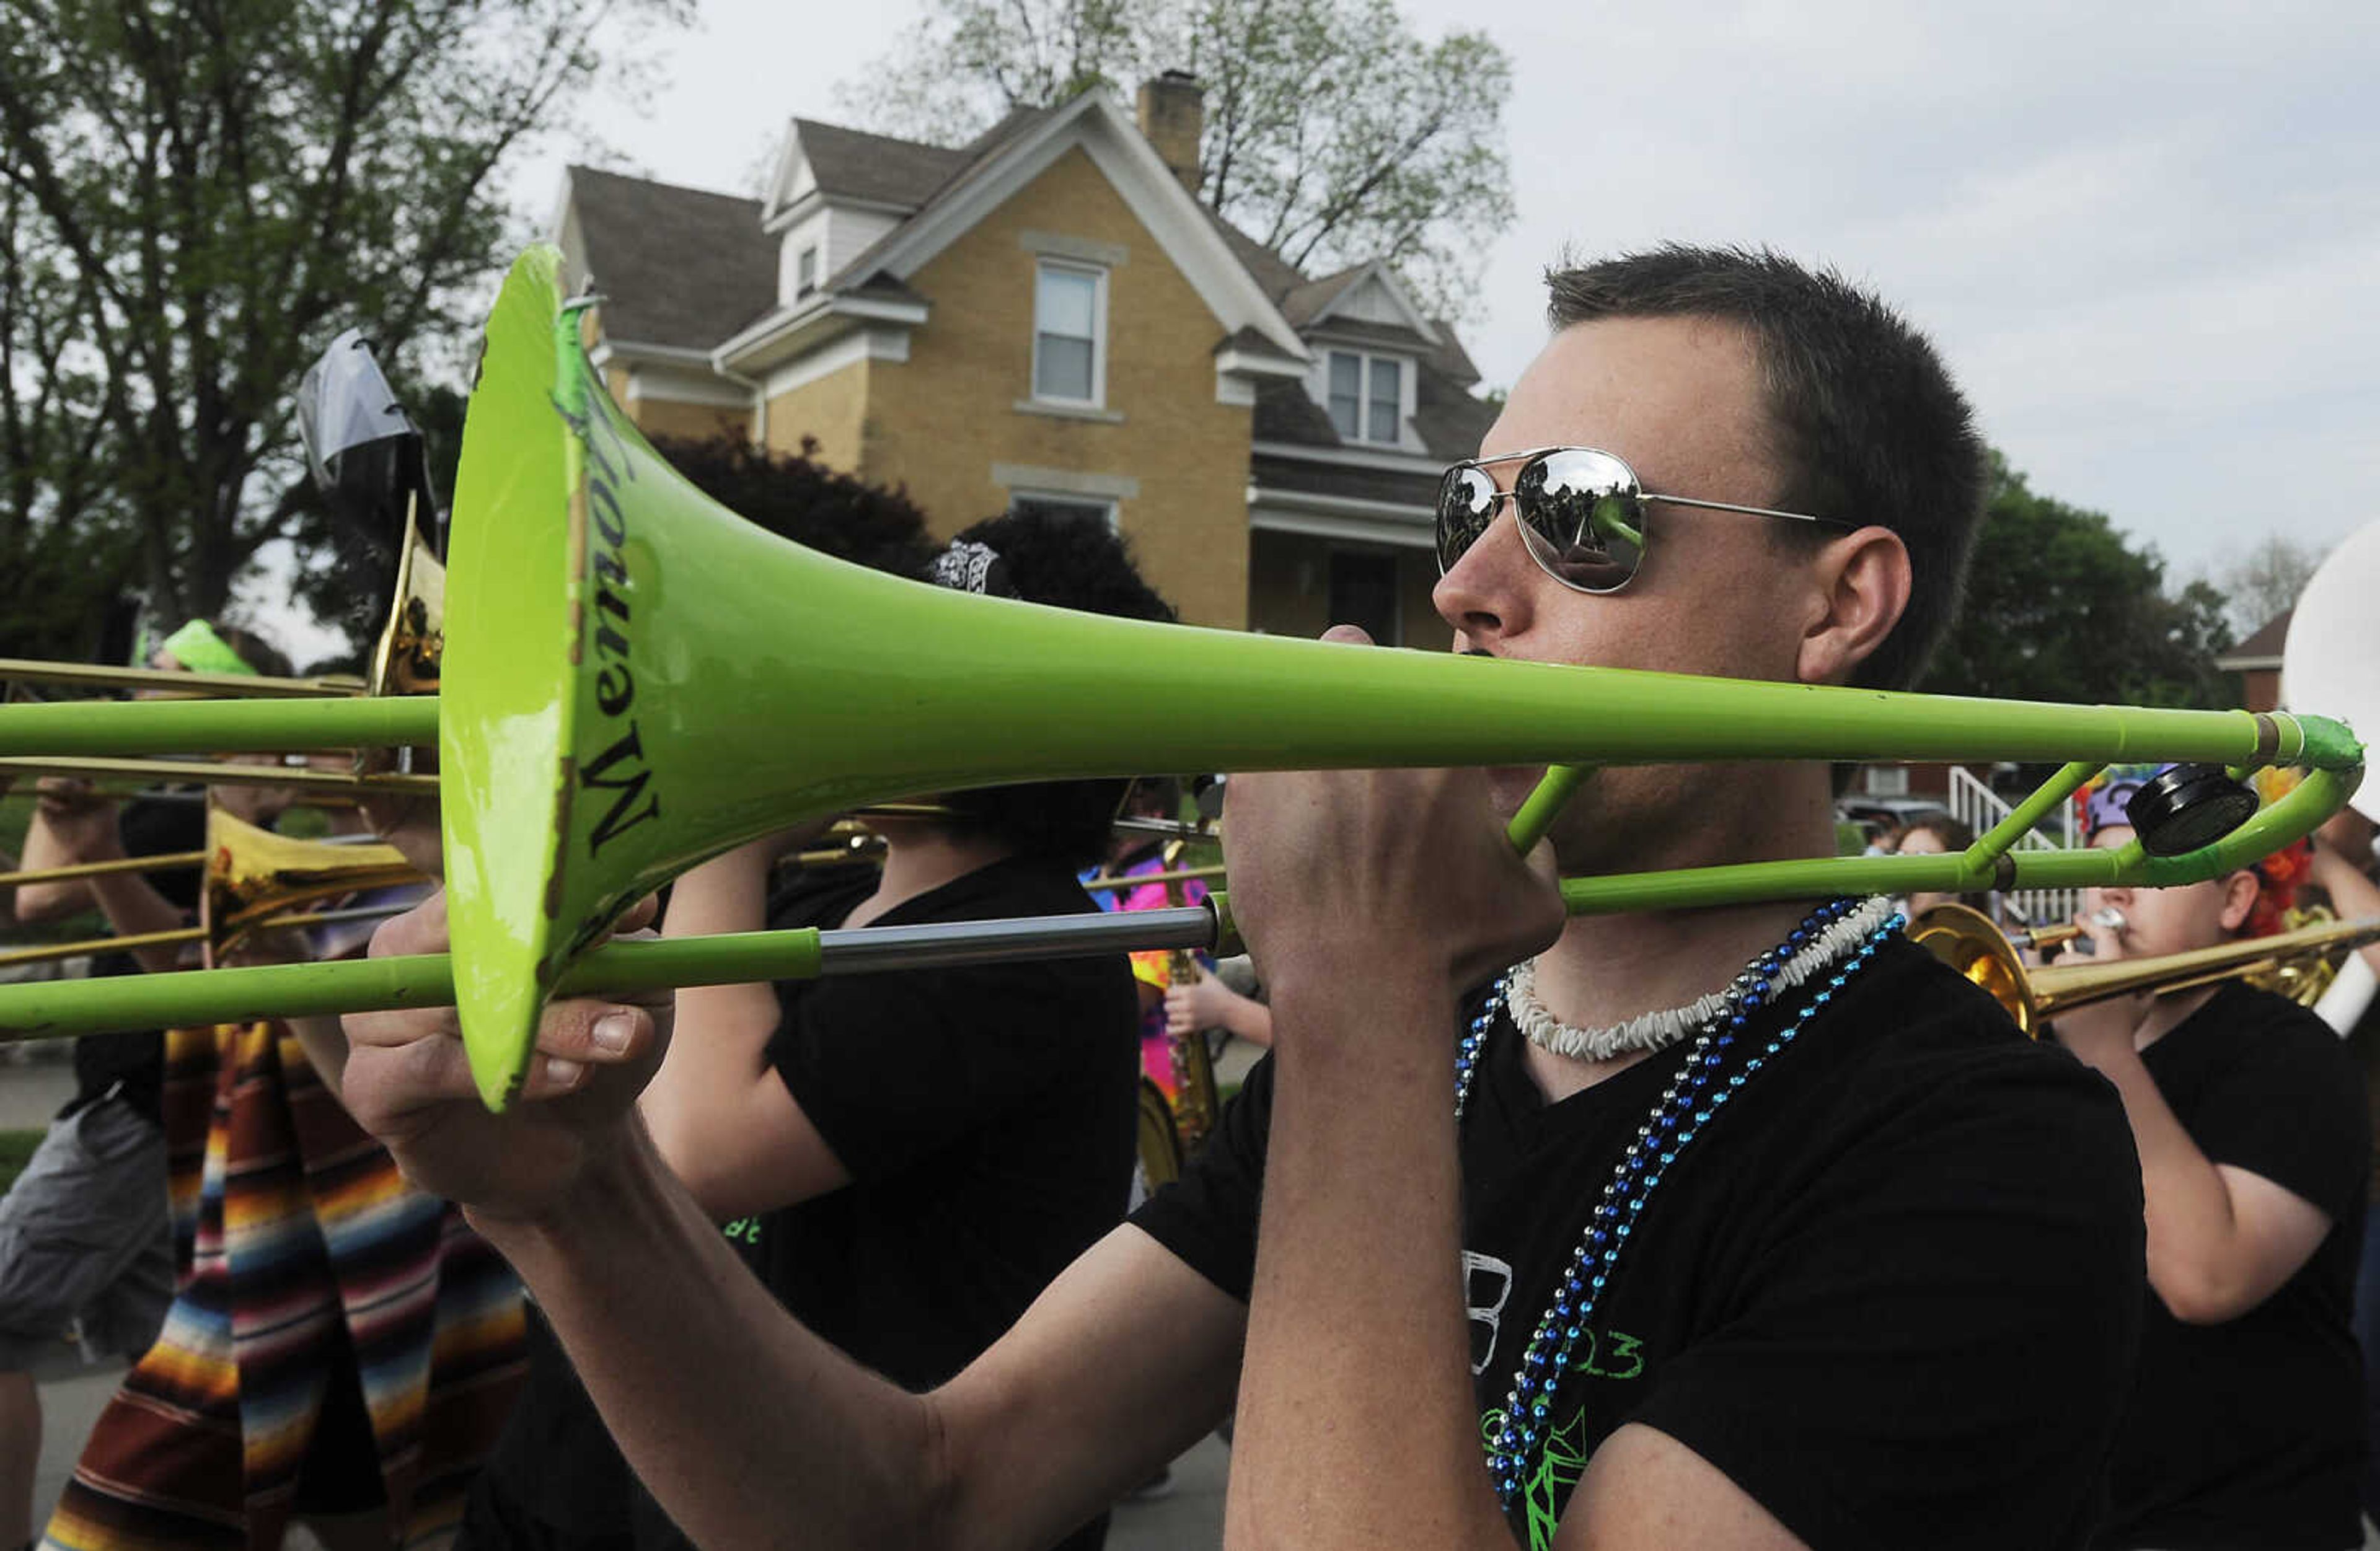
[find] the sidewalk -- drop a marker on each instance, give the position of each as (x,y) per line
(31,1094)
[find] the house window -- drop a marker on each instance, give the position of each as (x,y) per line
(805,273)
(1084,508)
(1069,331)
(1366,396)
(1363,592)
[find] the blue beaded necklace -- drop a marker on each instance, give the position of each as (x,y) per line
(1687,1106)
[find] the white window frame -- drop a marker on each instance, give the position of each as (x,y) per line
(1104,506)
(806,258)
(1364,360)
(1098,276)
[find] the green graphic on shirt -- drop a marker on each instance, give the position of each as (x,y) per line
(1558,1465)
(1624,1348)
(745,1231)
(1562,1459)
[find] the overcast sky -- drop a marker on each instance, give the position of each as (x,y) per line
(2147,237)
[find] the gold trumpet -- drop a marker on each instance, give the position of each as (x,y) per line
(129,776)
(176,684)
(2287,963)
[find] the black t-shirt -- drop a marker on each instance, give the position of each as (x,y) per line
(987,1115)
(988,1119)
(149,828)
(1892,1290)
(2250,1432)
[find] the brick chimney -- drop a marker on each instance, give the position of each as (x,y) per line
(1173,117)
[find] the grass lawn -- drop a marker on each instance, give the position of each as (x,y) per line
(16,1146)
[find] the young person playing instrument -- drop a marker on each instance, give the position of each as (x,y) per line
(1861,1269)
(340,1348)
(85,1234)
(2245,1427)
(1133,854)
(906,1160)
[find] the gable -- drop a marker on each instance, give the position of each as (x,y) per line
(1093,124)
(678,267)
(854,167)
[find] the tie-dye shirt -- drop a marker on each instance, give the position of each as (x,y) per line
(1153,967)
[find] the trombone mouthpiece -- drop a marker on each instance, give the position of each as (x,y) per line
(2105,915)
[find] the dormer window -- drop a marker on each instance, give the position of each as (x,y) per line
(1366,396)
(1070,307)
(805,272)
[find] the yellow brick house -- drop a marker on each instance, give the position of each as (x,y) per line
(1047,316)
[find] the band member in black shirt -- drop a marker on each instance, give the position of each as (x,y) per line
(2246,1426)
(906,1160)
(1568,1234)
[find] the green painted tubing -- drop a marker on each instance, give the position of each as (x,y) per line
(2292,818)
(119,729)
(1641,717)
(186,998)
(1981,859)
(61,1008)
(1537,814)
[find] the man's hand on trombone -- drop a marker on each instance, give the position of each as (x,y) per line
(408,1082)
(1331,869)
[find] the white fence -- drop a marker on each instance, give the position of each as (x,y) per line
(1979,808)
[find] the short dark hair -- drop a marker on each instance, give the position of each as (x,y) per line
(253,649)
(1869,426)
(1068,562)
(1955,834)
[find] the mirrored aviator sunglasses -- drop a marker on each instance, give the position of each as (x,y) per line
(1580,510)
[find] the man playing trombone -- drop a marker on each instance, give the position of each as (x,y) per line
(1766,1230)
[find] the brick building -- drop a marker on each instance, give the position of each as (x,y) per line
(1047,315)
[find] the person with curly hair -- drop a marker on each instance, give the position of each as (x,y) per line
(904,1159)
(2245,1425)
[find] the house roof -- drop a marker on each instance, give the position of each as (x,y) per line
(854,165)
(1301,304)
(1449,420)
(681,267)
(2262,650)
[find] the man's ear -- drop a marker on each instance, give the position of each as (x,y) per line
(2239,898)
(1861,583)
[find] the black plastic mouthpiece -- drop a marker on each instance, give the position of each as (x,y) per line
(2188,806)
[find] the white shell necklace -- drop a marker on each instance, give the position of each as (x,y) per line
(1655,1031)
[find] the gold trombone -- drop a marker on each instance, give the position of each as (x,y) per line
(405,659)
(635,679)
(2287,963)
(255,879)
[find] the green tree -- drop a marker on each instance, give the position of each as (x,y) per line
(199,194)
(795,496)
(65,537)
(1334,134)
(2060,608)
